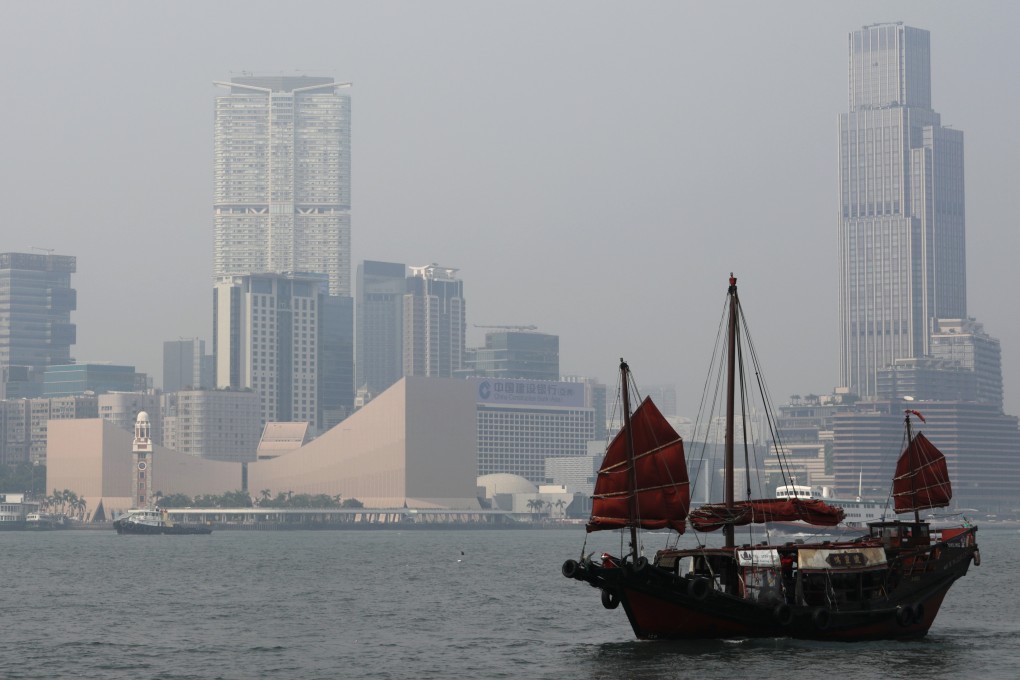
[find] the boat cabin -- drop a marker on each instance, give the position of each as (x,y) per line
(897,535)
(815,575)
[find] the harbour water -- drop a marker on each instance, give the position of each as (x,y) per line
(415,604)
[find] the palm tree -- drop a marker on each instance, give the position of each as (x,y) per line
(560,504)
(78,508)
(66,498)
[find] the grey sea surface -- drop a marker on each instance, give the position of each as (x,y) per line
(416,604)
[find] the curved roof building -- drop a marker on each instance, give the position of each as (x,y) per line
(415,446)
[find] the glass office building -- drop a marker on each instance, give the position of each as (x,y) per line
(380,324)
(186,366)
(434,322)
(73,379)
(517,354)
(901,228)
(36,301)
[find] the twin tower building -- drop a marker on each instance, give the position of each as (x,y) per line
(283,314)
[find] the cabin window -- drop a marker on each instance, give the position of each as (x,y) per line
(761,585)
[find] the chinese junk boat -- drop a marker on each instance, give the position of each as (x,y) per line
(886,584)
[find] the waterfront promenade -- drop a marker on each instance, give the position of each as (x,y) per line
(354,518)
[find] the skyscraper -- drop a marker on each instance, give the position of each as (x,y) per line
(186,366)
(380,322)
(282,178)
(516,353)
(335,400)
(266,332)
(434,322)
(901,228)
(36,301)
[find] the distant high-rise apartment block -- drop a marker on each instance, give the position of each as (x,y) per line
(269,333)
(24,424)
(434,322)
(901,227)
(266,338)
(186,366)
(36,301)
(380,325)
(214,424)
(664,397)
(282,178)
(122,409)
(516,353)
(965,364)
(926,378)
(965,343)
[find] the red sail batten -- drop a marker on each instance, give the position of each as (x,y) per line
(922,477)
(662,487)
(811,511)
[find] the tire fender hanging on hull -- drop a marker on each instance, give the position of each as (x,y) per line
(698,588)
(821,618)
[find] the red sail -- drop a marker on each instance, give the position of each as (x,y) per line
(816,512)
(922,477)
(662,487)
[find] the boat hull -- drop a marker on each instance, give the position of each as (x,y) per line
(663,605)
(150,529)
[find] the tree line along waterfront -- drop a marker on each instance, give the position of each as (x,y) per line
(264,499)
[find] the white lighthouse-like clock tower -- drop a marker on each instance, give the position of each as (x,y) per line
(142,458)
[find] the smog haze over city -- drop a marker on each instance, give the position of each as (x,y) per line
(596,169)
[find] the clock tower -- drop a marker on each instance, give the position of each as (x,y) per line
(142,458)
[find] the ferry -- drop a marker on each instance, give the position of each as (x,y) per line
(43,521)
(857,512)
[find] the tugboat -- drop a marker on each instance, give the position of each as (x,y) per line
(155,521)
(887,584)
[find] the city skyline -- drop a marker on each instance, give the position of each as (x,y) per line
(606,193)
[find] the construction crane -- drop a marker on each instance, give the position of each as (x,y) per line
(48,251)
(509,328)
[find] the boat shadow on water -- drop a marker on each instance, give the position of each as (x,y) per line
(932,656)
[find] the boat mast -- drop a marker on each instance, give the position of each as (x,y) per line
(731,360)
(913,467)
(632,475)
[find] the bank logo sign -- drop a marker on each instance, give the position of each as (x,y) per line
(529,392)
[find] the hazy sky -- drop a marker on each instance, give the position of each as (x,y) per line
(596,169)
